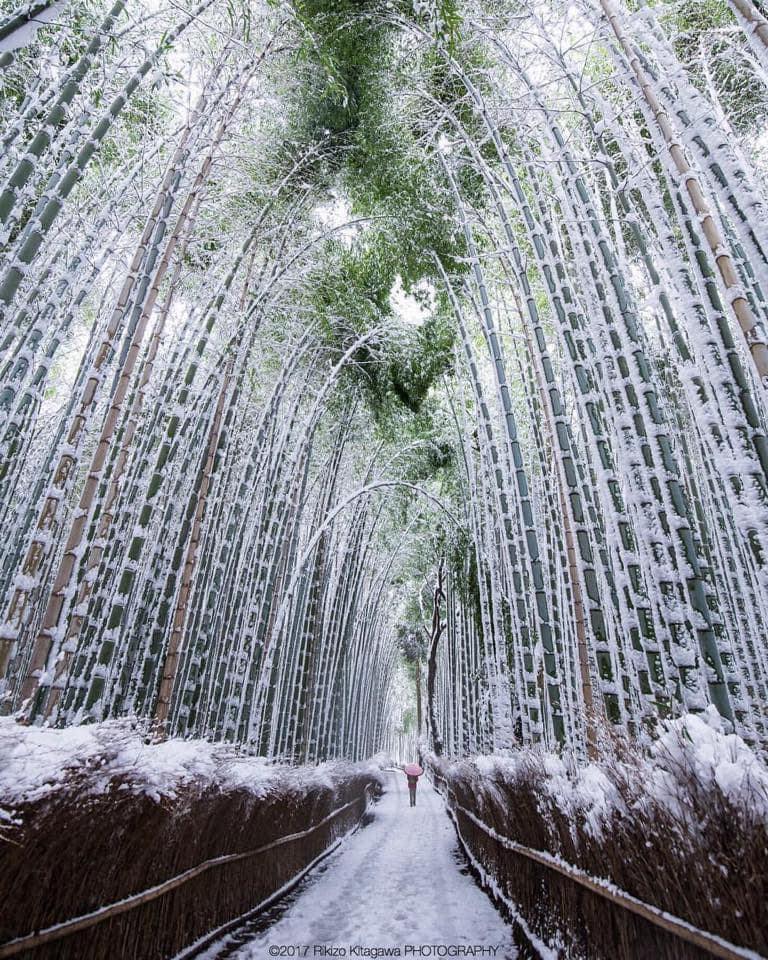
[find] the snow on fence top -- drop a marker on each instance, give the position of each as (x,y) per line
(693,749)
(35,761)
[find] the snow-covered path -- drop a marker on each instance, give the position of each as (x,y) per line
(395,883)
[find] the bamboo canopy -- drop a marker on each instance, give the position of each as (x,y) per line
(353,348)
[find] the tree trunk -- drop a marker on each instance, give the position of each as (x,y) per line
(418,697)
(436,632)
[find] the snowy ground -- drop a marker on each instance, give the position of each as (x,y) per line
(396,883)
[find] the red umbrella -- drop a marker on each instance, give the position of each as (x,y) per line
(413,769)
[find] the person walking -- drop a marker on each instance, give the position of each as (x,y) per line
(412,771)
(412,782)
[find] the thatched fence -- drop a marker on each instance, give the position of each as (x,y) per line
(650,883)
(119,875)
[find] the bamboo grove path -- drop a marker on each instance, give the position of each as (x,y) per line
(397,882)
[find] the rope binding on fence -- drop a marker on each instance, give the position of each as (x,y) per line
(67,927)
(712,944)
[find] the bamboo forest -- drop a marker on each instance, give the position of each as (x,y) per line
(383,402)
